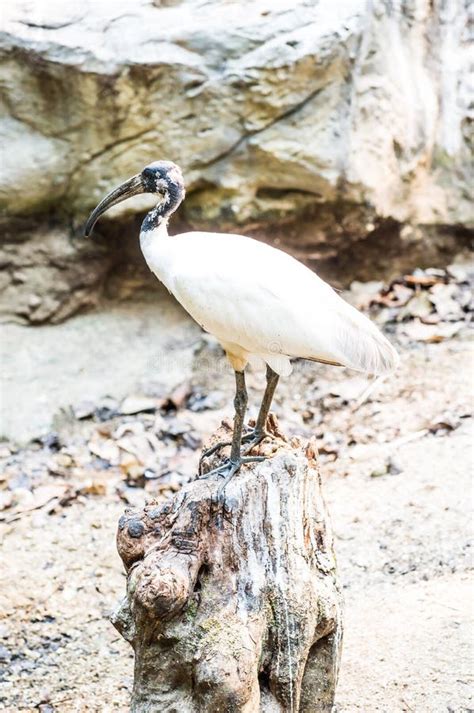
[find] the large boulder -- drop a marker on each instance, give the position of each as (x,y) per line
(315,123)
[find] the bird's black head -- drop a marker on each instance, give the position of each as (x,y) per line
(161,177)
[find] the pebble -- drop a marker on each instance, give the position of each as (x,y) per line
(5,654)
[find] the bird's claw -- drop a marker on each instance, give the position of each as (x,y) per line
(227,470)
(251,439)
(213,449)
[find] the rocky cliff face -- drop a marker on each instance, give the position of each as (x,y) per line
(317,124)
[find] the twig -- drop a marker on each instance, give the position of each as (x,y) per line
(367,391)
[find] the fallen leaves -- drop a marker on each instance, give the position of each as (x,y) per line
(44,496)
(430,333)
(427,306)
(114,448)
(137,404)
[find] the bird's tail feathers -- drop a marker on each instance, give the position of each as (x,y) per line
(365,348)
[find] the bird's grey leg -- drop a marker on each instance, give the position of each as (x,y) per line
(231,466)
(259,433)
(240,405)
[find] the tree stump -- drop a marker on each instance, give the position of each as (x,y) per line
(232,601)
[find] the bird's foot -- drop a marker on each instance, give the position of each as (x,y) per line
(213,449)
(253,438)
(227,470)
(229,467)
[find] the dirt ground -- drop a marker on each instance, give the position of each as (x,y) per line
(397,479)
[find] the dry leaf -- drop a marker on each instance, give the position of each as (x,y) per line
(137,404)
(431,333)
(447,421)
(422,280)
(460,271)
(106,449)
(398,296)
(179,395)
(362,294)
(84,409)
(419,306)
(442,296)
(94,487)
(138,446)
(134,427)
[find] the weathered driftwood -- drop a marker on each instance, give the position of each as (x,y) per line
(232,603)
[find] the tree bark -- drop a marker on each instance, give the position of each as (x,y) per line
(232,601)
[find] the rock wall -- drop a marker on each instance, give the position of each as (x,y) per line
(317,124)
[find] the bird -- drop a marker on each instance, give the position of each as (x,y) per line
(255,299)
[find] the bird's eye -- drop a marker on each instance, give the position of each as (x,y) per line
(148,173)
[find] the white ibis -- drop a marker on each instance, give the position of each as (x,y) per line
(255,299)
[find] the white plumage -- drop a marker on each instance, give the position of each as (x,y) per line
(257,300)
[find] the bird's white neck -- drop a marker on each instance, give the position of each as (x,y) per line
(149,236)
(157,248)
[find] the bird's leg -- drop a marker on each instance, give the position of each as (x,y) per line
(240,405)
(232,465)
(259,433)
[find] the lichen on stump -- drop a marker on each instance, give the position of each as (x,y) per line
(232,602)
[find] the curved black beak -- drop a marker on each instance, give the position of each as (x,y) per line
(130,188)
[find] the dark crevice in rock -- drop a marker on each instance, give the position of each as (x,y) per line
(114,144)
(392,249)
(48,26)
(277,193)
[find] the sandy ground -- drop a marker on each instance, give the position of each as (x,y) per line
(89,356)
(397,482)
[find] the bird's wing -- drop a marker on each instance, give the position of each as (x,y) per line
(248,293)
